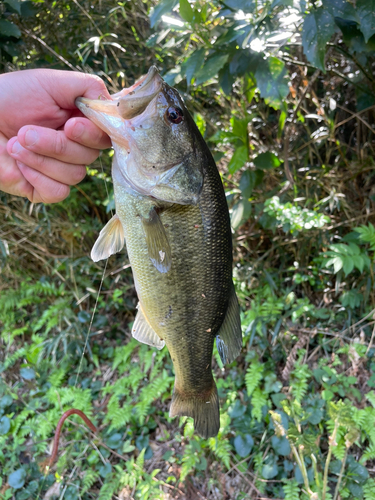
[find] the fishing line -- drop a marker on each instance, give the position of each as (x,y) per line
(99,290)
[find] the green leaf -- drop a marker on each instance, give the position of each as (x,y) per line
(211,68)
(193,63)
(17,479)
(240,213)
(238,160)
(160,9)
(186,11)
(270,76)
(15,4)
(359,262)
(267,161)
(342,9)
(366,13)
(318,28)
(239,127)
(27,373)
(247,183)
(243,445)
(269,471)
(226,79)
(105,469)
(9,29)
(348,265)
(4,425)
(281,445)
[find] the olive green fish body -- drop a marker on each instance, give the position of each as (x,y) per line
(172,212)
(186,305)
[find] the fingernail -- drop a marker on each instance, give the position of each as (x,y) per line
(31,137)
(16,148)
(78,130)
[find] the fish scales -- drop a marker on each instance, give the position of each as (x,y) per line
(181,258)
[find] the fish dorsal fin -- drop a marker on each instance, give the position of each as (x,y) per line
(111,240)
(157,242)
(229,338)
(143,332)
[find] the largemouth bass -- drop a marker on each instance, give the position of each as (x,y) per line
(172,212)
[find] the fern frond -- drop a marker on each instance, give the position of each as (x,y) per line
(189,460)
(109,487)
(258,400)
(291,490)
(370,396)
(89,480)
(369,489)
(221,448)
(253,376)
(117,416)
(299,381)
(368,454)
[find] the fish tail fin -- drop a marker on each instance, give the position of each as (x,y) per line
(203,408)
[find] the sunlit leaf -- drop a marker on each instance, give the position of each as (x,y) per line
(186,11)
(238,160)
(267,161)
(163,7)
(240,213)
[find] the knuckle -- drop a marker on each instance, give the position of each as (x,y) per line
(79,173)
(40,161)
(60,192)
(59,145)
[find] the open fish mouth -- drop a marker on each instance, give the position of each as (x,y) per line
(150,129)
(127,103)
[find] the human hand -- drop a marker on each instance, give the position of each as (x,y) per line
(38,159)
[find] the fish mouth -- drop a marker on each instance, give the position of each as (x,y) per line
(127,103)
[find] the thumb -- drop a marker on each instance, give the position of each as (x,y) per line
(65,86)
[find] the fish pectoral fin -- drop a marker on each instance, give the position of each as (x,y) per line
(157,242)
(111,240)
(143,332)
(229,337)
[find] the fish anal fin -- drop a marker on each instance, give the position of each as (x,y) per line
(229,337)
(111,240)
(204,408)
(157,242)
(143,332)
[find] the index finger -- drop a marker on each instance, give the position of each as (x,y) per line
(86,133)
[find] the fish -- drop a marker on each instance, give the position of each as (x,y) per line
(171,211)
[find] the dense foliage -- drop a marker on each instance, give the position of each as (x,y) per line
(283,93)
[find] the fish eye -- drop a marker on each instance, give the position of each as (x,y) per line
(174,115)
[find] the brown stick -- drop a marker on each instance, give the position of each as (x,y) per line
(67,414)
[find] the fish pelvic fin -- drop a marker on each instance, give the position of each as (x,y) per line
(159,250)
(204,408)
(111,240)
(229,337)
(143,331)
